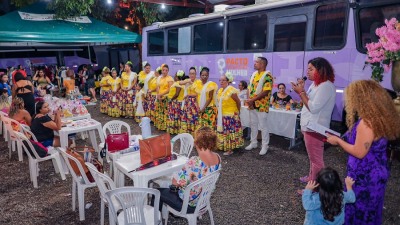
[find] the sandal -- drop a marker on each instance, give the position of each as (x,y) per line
(304,179)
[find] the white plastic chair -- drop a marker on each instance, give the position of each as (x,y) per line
(1,123)
(104,183)
(34,161)
(113,127)
(135,211)
(186,146)
(207,186)
(13,143)
(82,182)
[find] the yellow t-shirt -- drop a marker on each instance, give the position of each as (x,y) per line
(142,76)
(104,81)
(172,91)
(192,88)
(163,84)
(261,105)
(153,85)
(127,79)
(229,107)
(115,83)
(199,88)
(69,85)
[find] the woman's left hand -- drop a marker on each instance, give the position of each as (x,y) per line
(332,139)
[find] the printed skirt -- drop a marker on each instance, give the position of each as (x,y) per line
(104,101)
(151,107)
(126,99)
(113,108)
(174,117)
(232,135)
(208,117)
(161,117)
(190,116)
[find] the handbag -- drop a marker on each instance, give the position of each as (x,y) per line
(117,142)
(88,152)
(154,148)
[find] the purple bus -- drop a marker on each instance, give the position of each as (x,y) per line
(288,33)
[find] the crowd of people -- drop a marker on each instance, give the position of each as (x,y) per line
(187,104)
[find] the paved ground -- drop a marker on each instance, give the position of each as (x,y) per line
(251,189)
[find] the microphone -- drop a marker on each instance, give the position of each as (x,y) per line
(303,78)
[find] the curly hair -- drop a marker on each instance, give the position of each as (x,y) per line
(366,99)
(324,72)
(16,105)
(330,191)
(205,138)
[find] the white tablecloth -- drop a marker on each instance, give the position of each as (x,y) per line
(131,161)
(280,122)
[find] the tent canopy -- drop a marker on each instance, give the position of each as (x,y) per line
(14,30)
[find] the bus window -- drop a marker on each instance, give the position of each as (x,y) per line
(208,37)
(372,18)
(289,37)
(179,40)
(330,25)
(156,43)
(247,33)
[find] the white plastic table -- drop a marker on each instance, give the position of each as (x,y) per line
(280,122)
(78,117)
(128,162)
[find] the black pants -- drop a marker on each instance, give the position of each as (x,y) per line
(172,199)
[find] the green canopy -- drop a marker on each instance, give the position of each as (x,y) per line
(13,29)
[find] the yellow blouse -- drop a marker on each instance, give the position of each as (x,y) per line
(104,81)
(163,84)
(153,85)
(115,83)
(192,88)
(172,91)
(229,107)
(199,88)
(127,79)
(142,76)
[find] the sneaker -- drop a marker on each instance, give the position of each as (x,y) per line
(264,150)
(228,153)
(251,146)
(304,179)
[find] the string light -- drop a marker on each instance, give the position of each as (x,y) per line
(162,6)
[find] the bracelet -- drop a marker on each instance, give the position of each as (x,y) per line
(302,92)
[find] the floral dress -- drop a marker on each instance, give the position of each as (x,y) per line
(190,113)
(370,174)
(104,94)
(150,105)
(231,135)
(209,115)
(126,97)
(174,109)
(114,109)
(162,104)
(193,170)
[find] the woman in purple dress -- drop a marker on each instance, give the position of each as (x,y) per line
(372,121)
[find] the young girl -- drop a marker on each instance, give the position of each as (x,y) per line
(138,103)
(4,83)
(326,205)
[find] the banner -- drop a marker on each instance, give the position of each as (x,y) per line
(48,17)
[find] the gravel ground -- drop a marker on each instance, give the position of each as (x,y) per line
(252,189)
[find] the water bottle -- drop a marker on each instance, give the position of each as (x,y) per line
(146,128)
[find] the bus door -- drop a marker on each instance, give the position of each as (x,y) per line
(288,34)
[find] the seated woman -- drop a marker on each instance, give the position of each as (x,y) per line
(4,104)
(19,113)
(281,97)
(43,126)
(195,168)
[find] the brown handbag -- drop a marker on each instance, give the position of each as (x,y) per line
(76,154)
(154,148)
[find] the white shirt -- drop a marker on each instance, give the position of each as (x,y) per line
(321,101)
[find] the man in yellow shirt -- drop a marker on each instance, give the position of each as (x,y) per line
(259,95)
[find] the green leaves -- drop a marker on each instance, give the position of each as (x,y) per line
(70,8)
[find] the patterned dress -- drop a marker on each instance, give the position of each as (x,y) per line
(370,174)
(209,116)
(104,94)
(174,109)
(126,97)
(162,104)
(151,100)
(190,114)
(193,170)
(231,135)
(113,108)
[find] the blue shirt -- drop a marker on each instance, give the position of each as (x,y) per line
(312,205)
(5,86)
